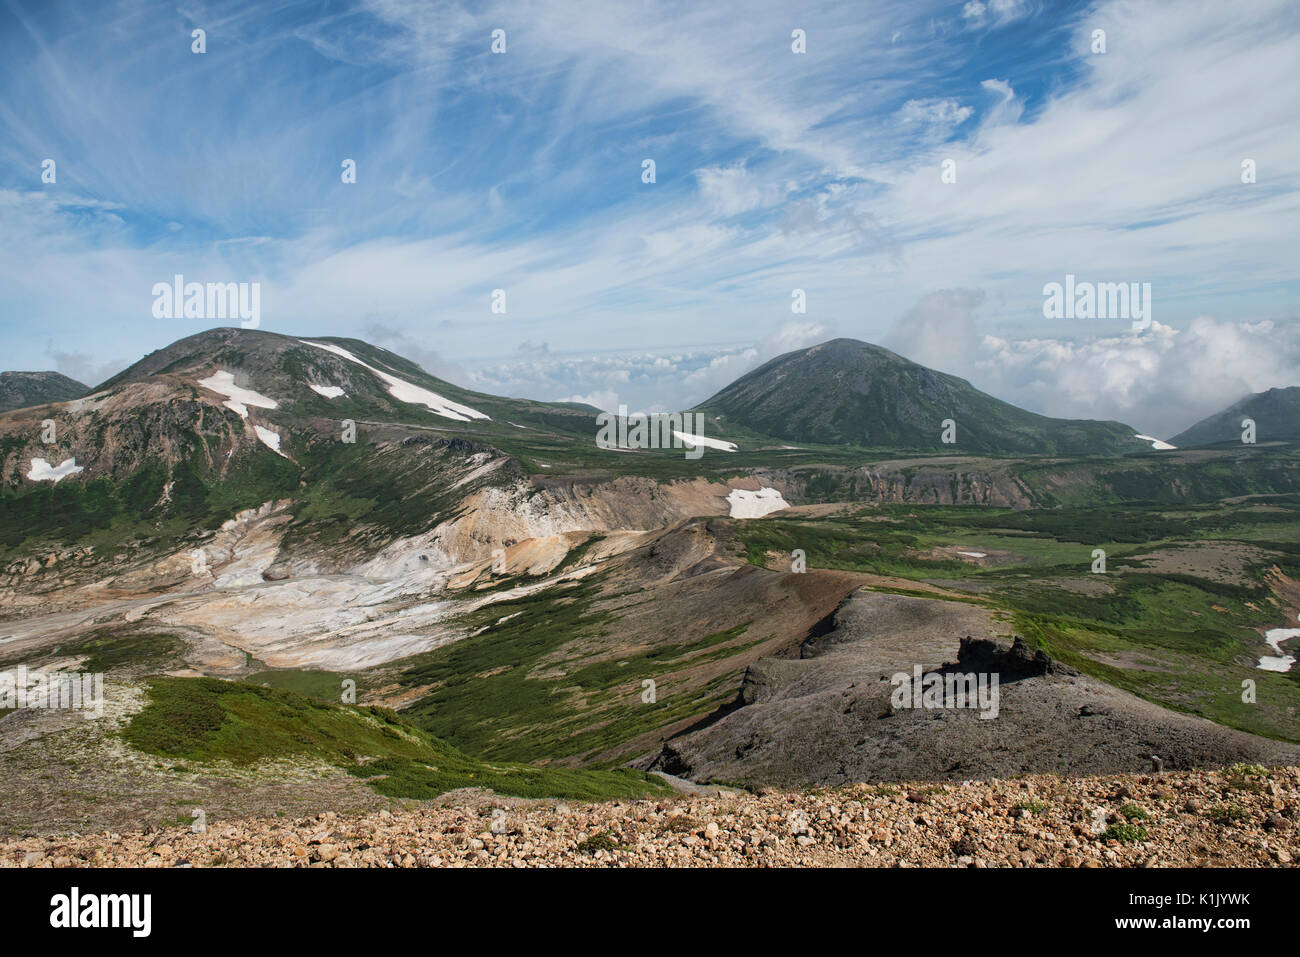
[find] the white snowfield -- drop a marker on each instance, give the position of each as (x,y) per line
(270,438)
(238,399)
(1274,637)
(42,471)
(404,391)
(1157,444)
(329,391)
(974,554)
(745,504)
(689,438)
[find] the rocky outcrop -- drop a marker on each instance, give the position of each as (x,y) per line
(831,719)
(1009,662)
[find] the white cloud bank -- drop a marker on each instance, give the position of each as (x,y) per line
(1160,380)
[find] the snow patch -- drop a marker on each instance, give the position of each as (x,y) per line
(42,471)
(692,440)
(1283,661)
(1155,443)
(269,438)
(746,504)
(974,554)
(329,391)
(238,399)
(404,391)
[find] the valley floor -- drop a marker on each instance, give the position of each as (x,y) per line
(1244,816)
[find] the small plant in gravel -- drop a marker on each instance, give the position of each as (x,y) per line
(682,825)
(1227,814)
(1031,807)
(600,842)
(1246,777)
(1125,833)
(1134,813)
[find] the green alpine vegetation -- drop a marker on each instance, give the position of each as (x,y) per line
(524,685)
(206,721)
(1276,414)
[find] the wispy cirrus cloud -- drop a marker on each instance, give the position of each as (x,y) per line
(521,171)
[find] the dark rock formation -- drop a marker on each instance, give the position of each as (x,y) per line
(1010,663)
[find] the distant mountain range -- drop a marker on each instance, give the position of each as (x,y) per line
(846,392)
(208,408)
(1276,414)
(19,390)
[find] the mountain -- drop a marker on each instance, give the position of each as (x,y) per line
(854,393)
(18,390)
(211,399)
(229,419)
(339,378)
(1276,414)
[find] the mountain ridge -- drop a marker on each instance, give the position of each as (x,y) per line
(884,400)
(21,390)
(1275,412)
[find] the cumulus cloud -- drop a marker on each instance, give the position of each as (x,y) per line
(795,335)
(939,331)
(933,120)
(938,112)
(85,368)
(643,381)
(1159,380)
(731,190)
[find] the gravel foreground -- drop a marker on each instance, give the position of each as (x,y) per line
(1243,816)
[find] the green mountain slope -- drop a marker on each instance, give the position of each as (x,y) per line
(19,390)
(1276,414)
(207,721)
(846,392)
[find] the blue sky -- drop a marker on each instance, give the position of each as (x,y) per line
(775,171)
